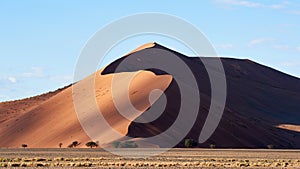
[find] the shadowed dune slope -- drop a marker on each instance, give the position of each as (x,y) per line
(259,100)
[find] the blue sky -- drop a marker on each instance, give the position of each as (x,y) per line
(40,41)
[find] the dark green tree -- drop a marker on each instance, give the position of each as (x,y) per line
(24,145)
(189,143)
(91,144)
(74,144)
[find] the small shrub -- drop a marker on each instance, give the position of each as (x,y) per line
(41,159)
(88,164)
(73,144)
(17,159)
(190,143)
(128,144)
(125,144)
(60,145)
(115,144)
(4,165)
(23,165)
(212,146)
(40,164)
(14,164)
(24,145)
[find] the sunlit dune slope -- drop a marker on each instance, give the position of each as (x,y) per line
(54,119)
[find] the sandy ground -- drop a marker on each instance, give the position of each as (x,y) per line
(174,158)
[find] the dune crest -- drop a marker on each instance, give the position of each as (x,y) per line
(145,46)
(290,127)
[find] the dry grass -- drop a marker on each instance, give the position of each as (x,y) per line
(166,162)
(176,158)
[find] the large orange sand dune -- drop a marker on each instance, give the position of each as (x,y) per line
(53,120)
(262,106)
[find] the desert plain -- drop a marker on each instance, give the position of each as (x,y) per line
(173,158)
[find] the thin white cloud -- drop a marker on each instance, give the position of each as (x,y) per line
(295,12)
(286,47)
(63,79)
(37,72)
(225,46)
(291,64)
(281,47)
(239,3)
(3,97)
(251,4)
(15,85)
(282,5)
(259,41)
(12,79)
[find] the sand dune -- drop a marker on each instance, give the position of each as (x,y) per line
(259,98)
(54,120)
(12,109)
(260,103)
(141,84)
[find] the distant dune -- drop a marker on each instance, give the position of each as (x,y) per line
(262,106)
(11,109)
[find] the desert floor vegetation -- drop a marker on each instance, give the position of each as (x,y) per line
(174,158)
